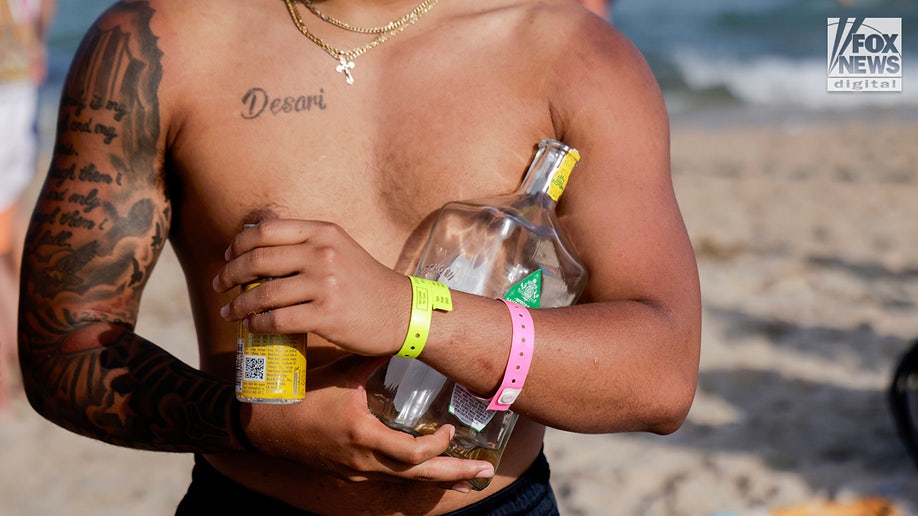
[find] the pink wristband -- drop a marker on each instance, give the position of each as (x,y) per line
(521,349)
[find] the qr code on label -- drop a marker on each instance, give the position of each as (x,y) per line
(254,369)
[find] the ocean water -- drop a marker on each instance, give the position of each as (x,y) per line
(761,55)
(730,56)
(71,20)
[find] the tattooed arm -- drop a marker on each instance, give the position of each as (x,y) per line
(98,228)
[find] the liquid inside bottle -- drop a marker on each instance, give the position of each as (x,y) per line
(507,247)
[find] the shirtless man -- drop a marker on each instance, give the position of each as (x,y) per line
(184,120)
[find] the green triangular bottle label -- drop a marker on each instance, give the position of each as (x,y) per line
(528,291)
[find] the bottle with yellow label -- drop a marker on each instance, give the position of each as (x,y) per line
(508,247)
(270,368)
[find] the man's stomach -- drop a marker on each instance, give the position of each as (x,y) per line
(315,489)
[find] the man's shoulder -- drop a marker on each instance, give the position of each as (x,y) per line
(563,25)
(175,17)
(565,36)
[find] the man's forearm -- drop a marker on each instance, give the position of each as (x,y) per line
(106,382)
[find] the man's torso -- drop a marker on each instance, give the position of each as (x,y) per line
(258,123)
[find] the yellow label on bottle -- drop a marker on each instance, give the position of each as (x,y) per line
(559,181)
(270,368)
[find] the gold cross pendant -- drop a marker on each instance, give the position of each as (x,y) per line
(346,67)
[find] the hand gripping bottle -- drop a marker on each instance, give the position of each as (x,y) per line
(270,368)
(508,247)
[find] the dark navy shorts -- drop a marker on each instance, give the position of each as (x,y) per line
(211,492)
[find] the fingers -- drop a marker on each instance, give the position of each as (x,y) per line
(298,303)
(290,297)
(420,458)
(267,233)
(408,449)
(321,281)
(403,455)
(280,232)
(449,472)
(276,249)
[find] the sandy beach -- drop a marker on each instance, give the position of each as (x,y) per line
(807,242)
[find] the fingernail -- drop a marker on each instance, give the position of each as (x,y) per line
(228,253)
(224,312)
(216,282)
(485,473)
(462,487)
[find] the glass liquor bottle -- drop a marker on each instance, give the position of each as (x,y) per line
(507,247)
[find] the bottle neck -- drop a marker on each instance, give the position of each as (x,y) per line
(547,175)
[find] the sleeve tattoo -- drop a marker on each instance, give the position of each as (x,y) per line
(100,223)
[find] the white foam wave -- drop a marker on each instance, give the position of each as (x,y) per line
(775,81)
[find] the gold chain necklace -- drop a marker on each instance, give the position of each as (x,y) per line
(411,17)
(346,58)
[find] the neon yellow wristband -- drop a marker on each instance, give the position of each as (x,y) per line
(426,296)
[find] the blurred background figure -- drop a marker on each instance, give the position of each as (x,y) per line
(23,68)
(601,7)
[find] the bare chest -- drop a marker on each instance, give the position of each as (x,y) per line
(289,138)
(382,182)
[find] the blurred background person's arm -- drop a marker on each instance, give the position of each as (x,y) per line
(24,26)
(602,8)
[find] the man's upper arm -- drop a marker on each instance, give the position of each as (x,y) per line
(97,229)
(102,215)
(620,208)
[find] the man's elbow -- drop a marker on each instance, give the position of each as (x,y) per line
(56,373)
(673,398)
(36,392)
(673,408)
